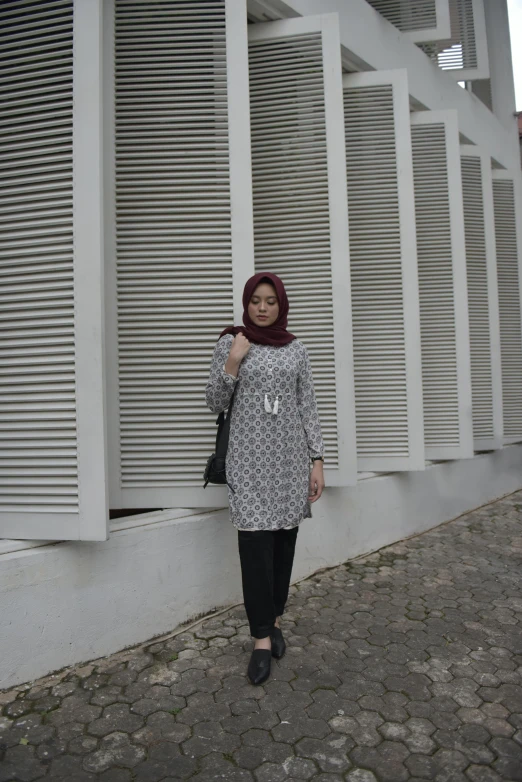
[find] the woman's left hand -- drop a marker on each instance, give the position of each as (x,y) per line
(316,481)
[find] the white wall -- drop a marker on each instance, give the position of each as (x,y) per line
(71,602)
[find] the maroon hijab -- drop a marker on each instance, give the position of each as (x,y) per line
(276,334)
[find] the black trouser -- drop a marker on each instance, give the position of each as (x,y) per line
(266,566)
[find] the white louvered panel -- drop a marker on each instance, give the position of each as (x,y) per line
(437,306)
(38,455)
(479,301)
(375,259)
(293,223)
(384,364)
(52,465)
(173,232)
(408,15)
(465,52)
(418,20)
(291,228)
(174,240)
(508,272)
(442,283)
(481,378)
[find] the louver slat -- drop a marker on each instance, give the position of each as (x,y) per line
(464,54)
(482,300)
(508,235)
(52,469)
(386,326)
(419,20)
(300,208)
(180,259)
(441,257)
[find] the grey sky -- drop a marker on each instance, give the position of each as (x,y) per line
(515,24)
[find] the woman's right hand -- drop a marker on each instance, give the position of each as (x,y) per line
(239,349)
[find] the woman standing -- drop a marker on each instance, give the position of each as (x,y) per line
(275,437)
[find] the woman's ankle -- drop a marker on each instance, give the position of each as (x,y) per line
(263,643)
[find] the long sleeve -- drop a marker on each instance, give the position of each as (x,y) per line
(307,406)
(220,386)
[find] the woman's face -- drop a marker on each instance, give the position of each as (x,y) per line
(264,306)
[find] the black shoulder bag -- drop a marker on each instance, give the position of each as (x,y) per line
(215,469)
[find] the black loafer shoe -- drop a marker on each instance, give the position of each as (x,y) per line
(278,643)
(259,666)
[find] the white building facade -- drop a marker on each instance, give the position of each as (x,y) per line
(157,154)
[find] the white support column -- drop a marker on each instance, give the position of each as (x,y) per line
(501,66)
(88,209)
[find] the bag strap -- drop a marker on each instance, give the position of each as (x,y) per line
(229,408)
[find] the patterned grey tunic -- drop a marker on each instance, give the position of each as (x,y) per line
(268,458)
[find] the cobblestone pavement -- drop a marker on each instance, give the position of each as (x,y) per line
(403,665)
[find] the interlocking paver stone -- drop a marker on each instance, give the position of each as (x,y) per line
(114,750)
(404,665)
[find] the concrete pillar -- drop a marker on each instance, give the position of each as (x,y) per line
(501,65)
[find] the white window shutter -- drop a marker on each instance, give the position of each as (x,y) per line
(507,203)
(384,277)
(486,384)
(52,458)
(182,244)
(300,207)
(418,20)
(465,54)
(446,371)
